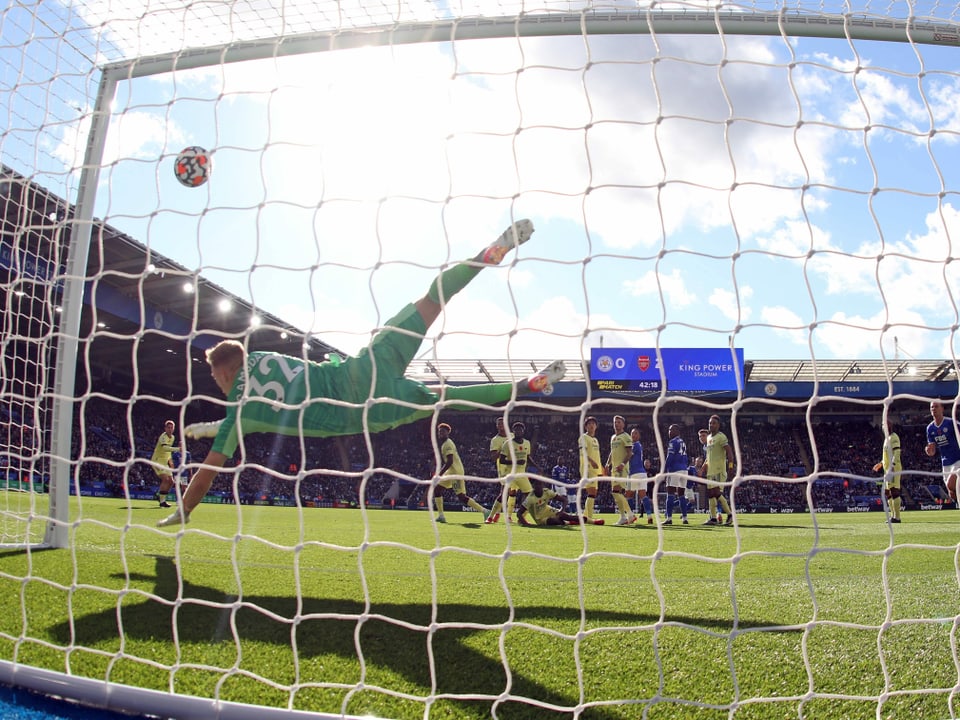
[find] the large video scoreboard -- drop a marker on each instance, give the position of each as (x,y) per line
(644,370)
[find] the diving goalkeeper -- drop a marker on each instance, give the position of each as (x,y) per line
(273,393)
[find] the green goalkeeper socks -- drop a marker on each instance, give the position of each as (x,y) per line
(486,394)
(451,281)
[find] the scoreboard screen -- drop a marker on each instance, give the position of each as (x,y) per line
(684,369)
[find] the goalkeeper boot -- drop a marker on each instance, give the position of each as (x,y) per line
(546,378)
(514,236)
(164,504)
(177,517)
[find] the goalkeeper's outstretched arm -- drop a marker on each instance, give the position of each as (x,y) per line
(202,480)
(199,486)
(203,429)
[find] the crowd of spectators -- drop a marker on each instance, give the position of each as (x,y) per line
(781,464)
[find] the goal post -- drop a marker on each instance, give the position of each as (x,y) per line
(68,339)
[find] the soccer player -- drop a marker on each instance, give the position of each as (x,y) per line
(618,468)
(942,438)
(274,393)
(496,443)
(892,466)
(537,503)
(450,475)
(676,465)
(590,468)
(693,483)
(701,464)
(163,462)
(516,454)
(717,469)
(561,478)
(638,476)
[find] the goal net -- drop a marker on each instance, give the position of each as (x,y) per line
(774,180)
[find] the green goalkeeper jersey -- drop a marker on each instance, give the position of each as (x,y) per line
(286,395)
(292,396)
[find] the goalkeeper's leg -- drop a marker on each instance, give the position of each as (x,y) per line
(394,347)
(493,393)
(452,281)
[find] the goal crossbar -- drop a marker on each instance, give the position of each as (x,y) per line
(789,24)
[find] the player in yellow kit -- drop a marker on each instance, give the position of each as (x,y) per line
(590,468)
(503,469)
(516,454)
(537,505)
(618,468)
(450,475)
(892,467)
(162,460)
(718,469)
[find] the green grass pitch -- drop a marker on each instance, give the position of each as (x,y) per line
(389,614)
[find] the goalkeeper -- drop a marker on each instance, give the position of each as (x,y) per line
(273,393)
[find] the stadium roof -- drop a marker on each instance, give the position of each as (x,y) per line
(777,371)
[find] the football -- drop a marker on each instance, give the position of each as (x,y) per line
(193,166)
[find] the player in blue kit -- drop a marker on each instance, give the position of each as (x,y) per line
(942,438)
(675,465)
(638,477)
(561,478)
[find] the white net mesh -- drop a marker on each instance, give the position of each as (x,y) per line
(699,176)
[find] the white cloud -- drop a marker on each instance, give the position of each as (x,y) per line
(944,96)
(849,335)
(672,285)
(133,134)
(734,306)
(786,324)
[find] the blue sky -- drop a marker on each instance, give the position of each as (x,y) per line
(677,202)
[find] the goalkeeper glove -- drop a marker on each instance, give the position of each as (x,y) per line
(202,430)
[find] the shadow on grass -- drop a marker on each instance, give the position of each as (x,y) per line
(391,637)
